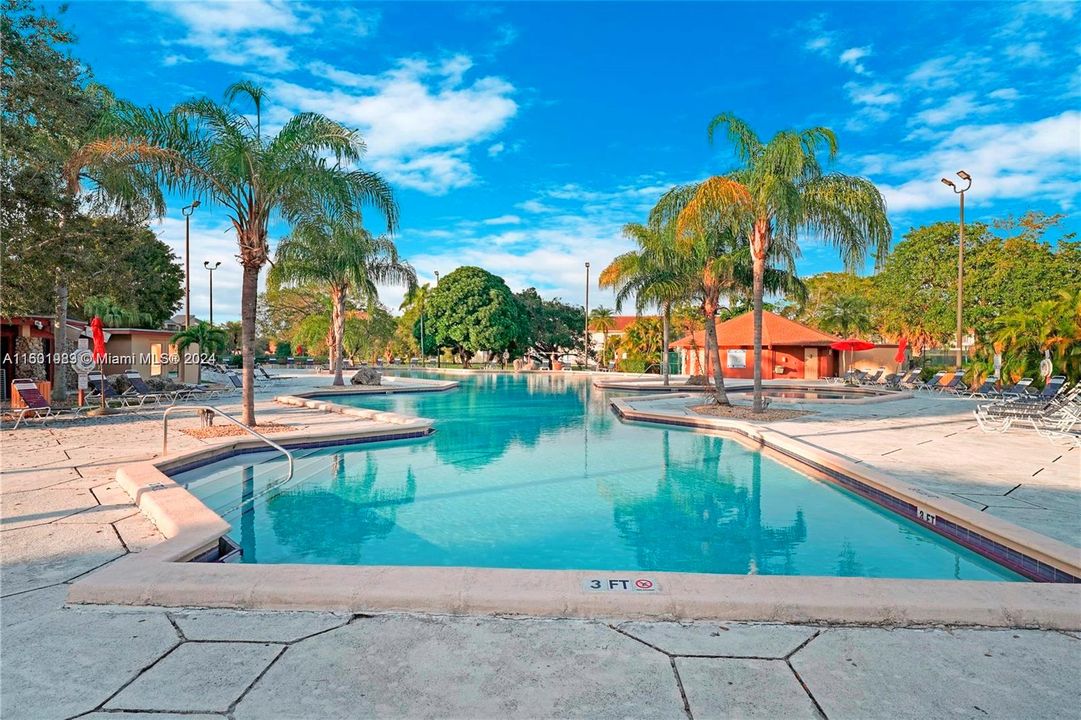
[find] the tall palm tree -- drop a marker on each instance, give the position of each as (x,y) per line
(654,274)
(112,313)
(218,154)
(211,342)
(341,256)
(416,298)
(718,264)
(780,190)
(602,319)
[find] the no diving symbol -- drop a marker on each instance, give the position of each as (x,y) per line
(643,584)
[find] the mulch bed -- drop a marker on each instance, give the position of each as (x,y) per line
(742,412)
(215,431)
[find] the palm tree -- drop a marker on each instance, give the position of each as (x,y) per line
(341,256)
(780,190)
(718,264)
(211,342)
(846,315)
(414,301)
(602,319)
(112,313)
(218,154)
(654,274)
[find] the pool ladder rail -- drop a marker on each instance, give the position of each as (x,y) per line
(230,418)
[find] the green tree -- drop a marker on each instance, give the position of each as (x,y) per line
(846,315)
(211,342)
(552,327)
(823,290)
(49,106)
(473,310)
(654,274)
(780,190)
(415,340)
(219,153)
(342,257)
(915,292)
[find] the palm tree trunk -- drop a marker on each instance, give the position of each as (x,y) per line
(757,288)
(664,350)
(60,341)
(337,298)
(713,350)
(249,291)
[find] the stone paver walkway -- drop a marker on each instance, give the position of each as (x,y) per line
(61,517)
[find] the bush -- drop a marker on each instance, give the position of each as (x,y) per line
(283,351)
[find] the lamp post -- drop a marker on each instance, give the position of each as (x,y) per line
(438,354)
(211,268)
(960,255)
(585,358)
(187,211)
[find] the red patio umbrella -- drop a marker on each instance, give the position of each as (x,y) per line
(899,357)
(99,339)
(851,344)
(98,352)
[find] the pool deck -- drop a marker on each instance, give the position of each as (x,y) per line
(63,516)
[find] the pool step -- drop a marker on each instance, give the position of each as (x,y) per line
(226,487)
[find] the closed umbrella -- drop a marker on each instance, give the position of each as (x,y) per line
(98,352)
(899,357)
(852,344)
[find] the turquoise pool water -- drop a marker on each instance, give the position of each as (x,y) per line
(535,471)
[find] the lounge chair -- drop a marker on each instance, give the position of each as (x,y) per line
(909,378)
(872,379)
(99,387)
(955,385)
(1018,389)
(35,404)
(933,383)
(986,388)
(138,387)
(1051,388)
(1059,415)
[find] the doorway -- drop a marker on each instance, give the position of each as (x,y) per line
(810,363)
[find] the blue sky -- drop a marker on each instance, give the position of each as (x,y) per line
(520,137)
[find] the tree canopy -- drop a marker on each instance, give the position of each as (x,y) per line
(473,310)
(551,326)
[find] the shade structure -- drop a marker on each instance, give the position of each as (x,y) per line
(852,344)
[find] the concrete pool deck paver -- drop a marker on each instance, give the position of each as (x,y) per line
(59,662)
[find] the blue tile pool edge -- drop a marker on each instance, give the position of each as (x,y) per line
(969,538)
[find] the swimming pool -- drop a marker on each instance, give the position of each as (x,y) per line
(534,471)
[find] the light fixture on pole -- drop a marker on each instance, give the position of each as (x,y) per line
(187,211)
(960,256)
(585,358)
(211,268)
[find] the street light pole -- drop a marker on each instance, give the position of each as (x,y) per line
(211,268)
(960,257)
(438,355)
(585,358)
(187,211)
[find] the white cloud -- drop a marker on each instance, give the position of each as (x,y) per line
(874,94)
(496,149)
(852,57)
(1006,160)
(503,220)
(419,119)
(958,107)
(1006,94)
(261,33)
(1029,53)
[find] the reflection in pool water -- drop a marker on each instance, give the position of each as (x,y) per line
(534,471)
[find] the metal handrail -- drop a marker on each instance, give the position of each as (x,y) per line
(230,418)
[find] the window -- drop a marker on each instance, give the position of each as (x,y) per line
(737,359)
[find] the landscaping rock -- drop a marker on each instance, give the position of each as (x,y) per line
(367,376)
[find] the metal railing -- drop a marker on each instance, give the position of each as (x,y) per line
(230,418)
